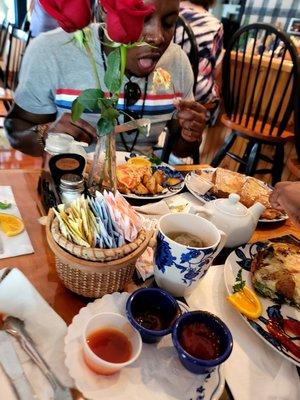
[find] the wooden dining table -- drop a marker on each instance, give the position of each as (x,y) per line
(39,267)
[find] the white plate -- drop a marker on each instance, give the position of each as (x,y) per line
(241,258)
(209,197)
(123,156)
(157,374)
(14,245)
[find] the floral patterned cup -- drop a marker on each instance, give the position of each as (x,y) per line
(178,268)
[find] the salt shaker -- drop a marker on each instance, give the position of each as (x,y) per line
(71,187)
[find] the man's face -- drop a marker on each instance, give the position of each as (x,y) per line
(158,32)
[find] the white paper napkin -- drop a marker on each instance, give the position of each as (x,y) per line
(254,370)
(199,184)
(19,298)
(15,245)
(157,208)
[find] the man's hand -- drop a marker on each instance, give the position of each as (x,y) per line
(192,119)
(286,197)
(81,130)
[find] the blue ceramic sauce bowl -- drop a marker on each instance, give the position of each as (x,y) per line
(215,325)
(152,312)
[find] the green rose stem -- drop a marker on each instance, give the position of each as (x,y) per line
(104,165)
(93,63)
(110,159)
(123,53)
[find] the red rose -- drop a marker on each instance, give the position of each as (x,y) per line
(125,19)
(71,15)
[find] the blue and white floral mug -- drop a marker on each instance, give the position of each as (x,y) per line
(178,268)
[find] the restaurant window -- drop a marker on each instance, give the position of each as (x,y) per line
(276,12)
(7,11)
(230,12)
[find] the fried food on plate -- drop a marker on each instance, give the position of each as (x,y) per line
(275,272)
(139,179)
(159,177)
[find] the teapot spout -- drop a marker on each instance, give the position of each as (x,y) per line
(256,210)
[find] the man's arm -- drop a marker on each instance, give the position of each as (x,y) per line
(26,131)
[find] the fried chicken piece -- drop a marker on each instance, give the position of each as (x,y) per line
(159,188)
(140,189)
(151,185)
(146,177)
(159,177)
(271,213)
(123,189)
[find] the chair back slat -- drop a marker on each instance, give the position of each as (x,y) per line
(17,46)
(280,109)
(264,85)
(244,101)
(233,86)
(259,79)
(253,92)
(272,92)
(236,108)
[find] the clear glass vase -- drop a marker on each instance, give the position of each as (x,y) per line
(103,172)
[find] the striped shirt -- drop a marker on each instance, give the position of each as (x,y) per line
(208,31)
(55,70)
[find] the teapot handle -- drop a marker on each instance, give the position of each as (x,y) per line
(201,211)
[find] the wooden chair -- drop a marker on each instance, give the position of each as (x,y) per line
(185,38)
(259,96)
(18,41)
(4,35)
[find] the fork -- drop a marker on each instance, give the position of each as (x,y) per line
(15,327)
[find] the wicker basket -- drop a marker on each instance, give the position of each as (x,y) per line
(95,254)
(93,278)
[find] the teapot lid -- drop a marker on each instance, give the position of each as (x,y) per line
(231,205)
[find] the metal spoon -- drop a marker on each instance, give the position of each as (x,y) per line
(16,328)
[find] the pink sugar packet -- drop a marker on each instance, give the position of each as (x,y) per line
(145,263)
(123,215)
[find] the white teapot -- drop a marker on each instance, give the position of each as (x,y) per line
(233,218)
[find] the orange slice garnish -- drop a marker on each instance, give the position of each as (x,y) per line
(10,224)
(247,302)
(139,162)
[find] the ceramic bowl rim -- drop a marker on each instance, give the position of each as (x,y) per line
(145,331)
(199,361)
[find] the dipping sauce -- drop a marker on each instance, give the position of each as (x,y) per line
(200,341)
(111,345)
(153,318)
